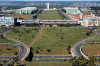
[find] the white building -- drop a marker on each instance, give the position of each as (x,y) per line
(85,22)
(47,6)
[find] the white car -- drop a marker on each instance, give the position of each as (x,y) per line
(37,59)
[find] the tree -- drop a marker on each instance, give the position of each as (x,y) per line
(62,37)
(75,63)
(81,58)
(88,33)
(92,59)
(50,25)
(73,58)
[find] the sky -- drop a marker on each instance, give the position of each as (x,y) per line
(49,0)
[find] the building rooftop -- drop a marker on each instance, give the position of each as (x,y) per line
(8,11)
(7,17)
(27,8)
(72,7)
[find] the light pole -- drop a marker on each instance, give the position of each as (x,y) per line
(97,59)
(42,53)
(63,54)
(37,56)
(3,57)
(89,53)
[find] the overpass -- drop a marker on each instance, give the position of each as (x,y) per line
(50,21)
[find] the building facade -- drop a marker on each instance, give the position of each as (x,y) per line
(8,21)
(47,6)
(26,10)
(71,10)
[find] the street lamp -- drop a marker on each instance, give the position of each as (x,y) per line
(3,57)
(42,53)
(97,58)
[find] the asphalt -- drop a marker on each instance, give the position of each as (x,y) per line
(1,60)
(64,15)
(23,48)
(52,56)
(77,47)
(50,59)
(31,18)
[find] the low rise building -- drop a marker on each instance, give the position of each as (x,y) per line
(71,10)
(8,21)
(26,10)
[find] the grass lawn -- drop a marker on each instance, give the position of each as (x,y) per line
(3,40)
(91,49)
(97,40)
(11,49)
(23,36)
(51,39)
(50,15)
(7,50)
(20,16)
(40,63)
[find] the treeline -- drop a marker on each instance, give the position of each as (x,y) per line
(67,25)
(63,10)
(31,25)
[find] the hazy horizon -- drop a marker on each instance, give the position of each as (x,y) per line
(49,0)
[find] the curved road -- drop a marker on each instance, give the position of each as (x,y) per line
(24,50)
(77,48)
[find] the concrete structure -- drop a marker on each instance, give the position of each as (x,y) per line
(7,21)
(85,22)
(8,11)
(71,10)
(47,6)
(90,21)
(26,10)
(80,15)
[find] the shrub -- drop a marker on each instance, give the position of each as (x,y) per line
(37,51)
(16,53)
(48,50)
(8,49)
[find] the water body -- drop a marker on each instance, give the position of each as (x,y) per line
(15,5)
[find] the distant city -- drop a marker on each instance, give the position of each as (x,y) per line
(52,3)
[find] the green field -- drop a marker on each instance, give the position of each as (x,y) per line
(47,63)
(94,48)
(91,49)
(95,40)
(7,50)
(3,40)
(50,15)
(23,36)
(51,39)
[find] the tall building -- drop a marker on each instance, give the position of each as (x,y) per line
(26,10)
(7,21)
(47,6)
(71,10)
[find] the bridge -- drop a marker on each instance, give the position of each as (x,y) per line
(50,21)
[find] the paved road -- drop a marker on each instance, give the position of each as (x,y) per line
(1,60)
(31,18)
(50,59)
(77,47)
(23,48)
(52,56)
(6,56)
(64,15)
